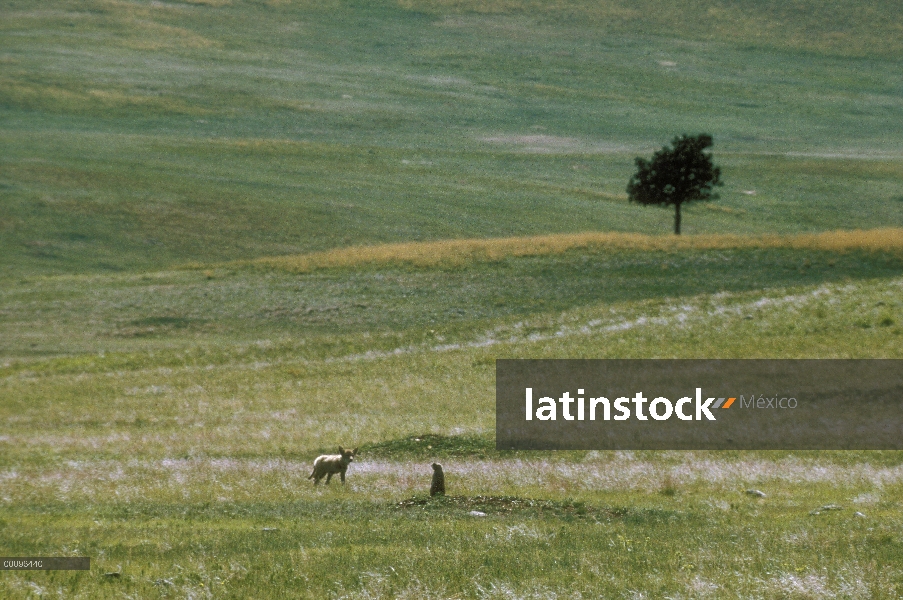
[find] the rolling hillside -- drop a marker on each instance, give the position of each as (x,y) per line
(140,135)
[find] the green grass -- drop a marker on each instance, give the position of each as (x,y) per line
(664,547)
(351,310)
(184,468)
(173,448)
(140,136)
(163,393)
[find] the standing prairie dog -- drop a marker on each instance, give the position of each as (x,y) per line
(438,485)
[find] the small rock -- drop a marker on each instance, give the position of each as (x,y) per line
(162,582)
(476,513)
(819,511)
(270,529)
(756,493)
(858,514)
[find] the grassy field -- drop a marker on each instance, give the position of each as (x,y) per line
(184,467)
(236,234)
(137,135)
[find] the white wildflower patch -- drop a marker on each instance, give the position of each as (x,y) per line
(816,586)
(515,533)
(702,588)
(244,479)
(867,498)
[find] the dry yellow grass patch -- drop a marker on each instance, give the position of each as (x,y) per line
(456,252)
(156,36)
(15,92)
(119,99)
(213,3)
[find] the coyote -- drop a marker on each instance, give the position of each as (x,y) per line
(330,464)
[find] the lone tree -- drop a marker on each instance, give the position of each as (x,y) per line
(676,175)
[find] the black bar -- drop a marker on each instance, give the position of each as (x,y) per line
(45,563)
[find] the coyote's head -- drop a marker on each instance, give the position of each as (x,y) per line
(347,455)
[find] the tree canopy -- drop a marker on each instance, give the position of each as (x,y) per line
(677,174)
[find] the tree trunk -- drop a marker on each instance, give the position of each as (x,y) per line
(677,219)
